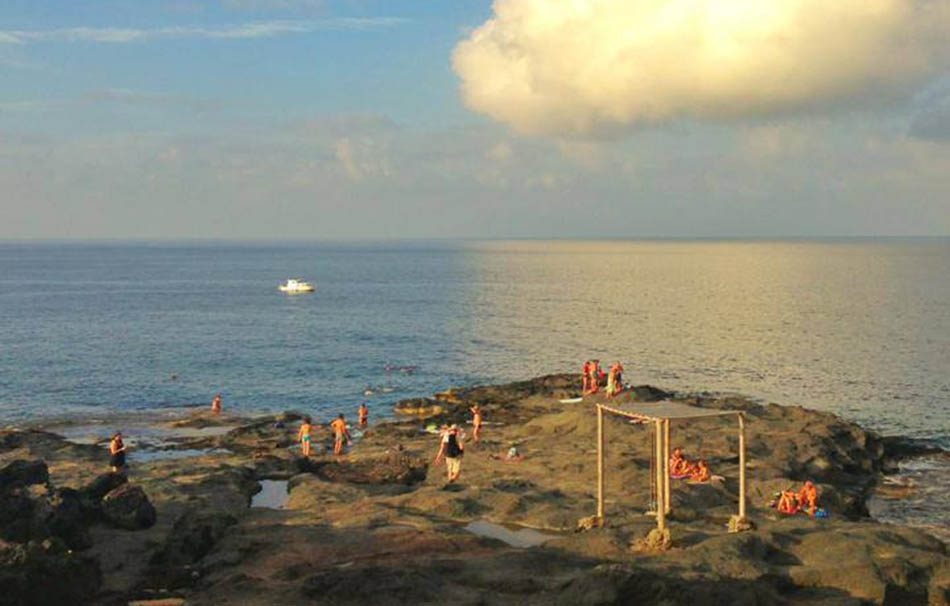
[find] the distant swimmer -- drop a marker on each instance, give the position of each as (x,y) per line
(364,415)
(117,452)
(303,436)
(216,404)
(340,435)
(452,449)
(476,422)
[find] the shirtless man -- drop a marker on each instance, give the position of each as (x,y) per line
(303,436)
(476,422)
(216,404)
(364,415)
(451,448)
(340,434)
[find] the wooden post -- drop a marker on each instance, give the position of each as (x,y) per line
(600,465)
(660,504)
(666,464)
(741,467)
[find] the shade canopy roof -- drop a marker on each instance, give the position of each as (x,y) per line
(665,409)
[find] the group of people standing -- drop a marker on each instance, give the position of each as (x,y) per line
(592,375)
(341,434)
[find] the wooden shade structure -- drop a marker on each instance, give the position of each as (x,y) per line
(660,414)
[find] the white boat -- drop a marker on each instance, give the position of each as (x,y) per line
(294,287)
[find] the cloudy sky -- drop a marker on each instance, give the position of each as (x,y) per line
(463,118)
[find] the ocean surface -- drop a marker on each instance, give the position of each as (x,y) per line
(859,327)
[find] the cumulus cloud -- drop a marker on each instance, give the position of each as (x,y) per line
(589,67)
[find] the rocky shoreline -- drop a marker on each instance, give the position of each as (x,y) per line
(379,526)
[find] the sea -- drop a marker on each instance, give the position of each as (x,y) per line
(858,326)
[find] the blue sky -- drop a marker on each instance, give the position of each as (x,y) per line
(326,118)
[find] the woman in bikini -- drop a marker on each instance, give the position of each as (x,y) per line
(303,436)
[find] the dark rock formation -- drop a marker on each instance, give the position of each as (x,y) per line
(392,468)
(96,490)
(21,473)
(128,507)
(45,574)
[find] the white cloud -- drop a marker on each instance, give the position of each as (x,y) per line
(262,29)
(587,67)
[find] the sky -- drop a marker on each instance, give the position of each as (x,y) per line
(270,119)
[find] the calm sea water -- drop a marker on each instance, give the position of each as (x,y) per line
(857,327)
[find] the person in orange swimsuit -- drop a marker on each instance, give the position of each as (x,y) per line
(808,498)
(216,404)
(701,472)
(787,502)
(617,370)
(585,377)
(364,415)
(595,372)
(679,466)
(340,434)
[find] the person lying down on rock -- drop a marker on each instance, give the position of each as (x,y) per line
(512,456)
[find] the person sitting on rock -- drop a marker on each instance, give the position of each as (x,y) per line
(512,456)
(808,498)
(679,466)
(700,473)
(116,452)
(787,502)
(340,434)
(303,436)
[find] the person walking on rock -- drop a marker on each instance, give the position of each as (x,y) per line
(340,434)
(216,404)
(451,448)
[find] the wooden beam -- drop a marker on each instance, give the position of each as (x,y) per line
(741,467)
(666,464)
(600,464)
(660,504)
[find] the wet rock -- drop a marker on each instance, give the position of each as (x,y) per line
(105,483)
(43,574)
(21,473)
(128,507)
(421,407)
